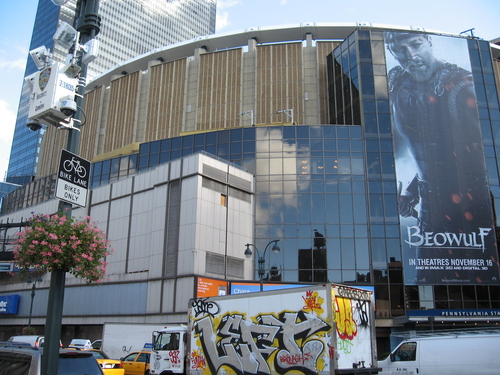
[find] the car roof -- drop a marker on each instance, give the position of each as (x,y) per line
(15,343)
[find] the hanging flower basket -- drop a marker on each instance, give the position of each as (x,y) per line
(56,242)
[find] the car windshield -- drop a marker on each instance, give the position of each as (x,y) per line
(14,363)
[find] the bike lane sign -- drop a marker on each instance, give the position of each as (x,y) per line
(73,179)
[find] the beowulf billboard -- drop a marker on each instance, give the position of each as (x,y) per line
(445,207)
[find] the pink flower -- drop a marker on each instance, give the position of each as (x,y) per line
(58,241)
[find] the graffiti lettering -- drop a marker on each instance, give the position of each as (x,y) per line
(295,359)
(345,346)
(245,346)
(174,356)
(201,306)
(344,317)
(312,302)
(361,313)
(198,361)
(331,352)
(354,293)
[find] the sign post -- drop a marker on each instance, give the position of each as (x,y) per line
(73,179)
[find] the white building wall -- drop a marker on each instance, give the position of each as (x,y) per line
(134,214)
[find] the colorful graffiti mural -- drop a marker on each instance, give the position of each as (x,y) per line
(351,316)
(261,344)
(277,342)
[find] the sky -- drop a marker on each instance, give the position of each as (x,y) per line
(453,16)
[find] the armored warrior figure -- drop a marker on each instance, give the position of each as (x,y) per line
(435,113)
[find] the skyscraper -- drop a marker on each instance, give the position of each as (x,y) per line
(129,28)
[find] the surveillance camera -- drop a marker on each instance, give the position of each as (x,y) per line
(41,57)
(65,35)
(33,125)
(68,107)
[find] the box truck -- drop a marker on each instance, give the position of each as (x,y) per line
(453,352)
(321,329)
(120,339)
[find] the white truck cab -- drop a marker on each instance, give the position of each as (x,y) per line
(169,350)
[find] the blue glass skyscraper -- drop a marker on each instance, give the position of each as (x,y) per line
(128,29)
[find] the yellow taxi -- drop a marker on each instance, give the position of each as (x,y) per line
(109,366)
(136,363)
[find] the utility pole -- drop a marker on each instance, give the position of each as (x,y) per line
(88,26)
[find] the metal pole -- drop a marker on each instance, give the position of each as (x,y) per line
(261,270)
(88,25)
(261,259)
(31,305)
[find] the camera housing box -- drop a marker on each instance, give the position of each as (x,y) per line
(52,87)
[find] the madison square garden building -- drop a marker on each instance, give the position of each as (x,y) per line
(371,166)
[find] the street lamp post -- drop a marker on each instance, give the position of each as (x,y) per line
(261,271)
(33,290)
(88,26)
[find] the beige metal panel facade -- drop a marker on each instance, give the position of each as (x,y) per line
(122,112)
(90,130)
(279,83)
(165,105)
(219,90)
(205,91)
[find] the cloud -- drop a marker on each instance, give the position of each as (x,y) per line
(283,2)
(8,122)
(222,20)
(14,58)
(13,64)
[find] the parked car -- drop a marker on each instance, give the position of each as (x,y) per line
(34,340)
(136,363)
(81,344)
(22,359)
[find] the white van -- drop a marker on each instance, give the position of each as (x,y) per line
(465,352)
(34,340)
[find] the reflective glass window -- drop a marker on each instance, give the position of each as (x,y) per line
(187,141)
(176,143)
(154,147)
(302,131)
(199,139)
(365,51)
(347,253)
(211,138)
(304,204)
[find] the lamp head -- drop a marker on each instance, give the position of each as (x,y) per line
(248,252)
(276,249)
(37,280)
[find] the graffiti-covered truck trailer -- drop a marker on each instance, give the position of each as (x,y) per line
(323,329)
